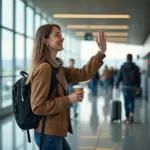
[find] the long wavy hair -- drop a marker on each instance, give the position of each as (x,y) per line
(39,48)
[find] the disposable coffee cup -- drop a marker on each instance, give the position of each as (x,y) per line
(78,88)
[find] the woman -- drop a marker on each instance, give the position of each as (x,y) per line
(48,42)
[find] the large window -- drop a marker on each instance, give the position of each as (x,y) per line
(19,53)
(7,53)
(7,13)
(29,21)
(7,67)
(37,21)
(16,52)
(29,52)
(20,6)
(7,82)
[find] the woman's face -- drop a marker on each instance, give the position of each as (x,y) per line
(55,40)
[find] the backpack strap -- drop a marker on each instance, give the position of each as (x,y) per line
(52,87)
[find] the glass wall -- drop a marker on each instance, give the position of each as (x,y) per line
(37,21)
(18,24)
(20,21)
(7,13)
(7,66)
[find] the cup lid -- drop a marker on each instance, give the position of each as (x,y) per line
(78,86)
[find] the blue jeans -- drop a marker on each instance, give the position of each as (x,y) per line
(94,84)
(74,107)
(51,142)
(129,98)
(70,88)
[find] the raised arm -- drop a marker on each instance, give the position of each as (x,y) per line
(88,70)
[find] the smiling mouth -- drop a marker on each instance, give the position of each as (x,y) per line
(61,44)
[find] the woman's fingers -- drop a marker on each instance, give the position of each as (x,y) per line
(101,41)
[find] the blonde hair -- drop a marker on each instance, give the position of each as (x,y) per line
(39,50)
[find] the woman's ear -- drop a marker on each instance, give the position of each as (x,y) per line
(45,41)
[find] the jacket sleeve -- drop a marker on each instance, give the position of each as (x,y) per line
(119,77)
(40,86)
(138,78)
(85,73)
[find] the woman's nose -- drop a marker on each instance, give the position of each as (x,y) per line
(62,39)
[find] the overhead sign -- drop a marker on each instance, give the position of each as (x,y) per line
(88,37)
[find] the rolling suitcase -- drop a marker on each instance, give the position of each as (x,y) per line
(116,109)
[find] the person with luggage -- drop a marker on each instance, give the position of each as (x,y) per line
(56,106)
(129,75)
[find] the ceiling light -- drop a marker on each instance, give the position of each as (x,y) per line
(97,27)
(93,16)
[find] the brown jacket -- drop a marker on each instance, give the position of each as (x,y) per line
(57,107)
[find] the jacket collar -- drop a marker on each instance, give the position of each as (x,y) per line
(57,64)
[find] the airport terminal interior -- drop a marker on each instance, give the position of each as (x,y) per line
(126,24)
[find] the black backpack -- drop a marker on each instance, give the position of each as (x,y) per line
(24,116)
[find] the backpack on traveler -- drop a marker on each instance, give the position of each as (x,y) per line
(24,116)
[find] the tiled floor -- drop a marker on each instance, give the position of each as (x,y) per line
(92,129)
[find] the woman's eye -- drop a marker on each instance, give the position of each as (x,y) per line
(59,35)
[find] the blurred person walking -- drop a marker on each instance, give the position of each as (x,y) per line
(129,75)
(94,83)
(106,79)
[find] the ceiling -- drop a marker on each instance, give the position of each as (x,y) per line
(139,10)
